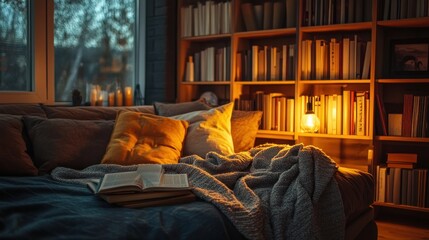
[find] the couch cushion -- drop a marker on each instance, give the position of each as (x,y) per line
(91,112)
(66,142)
(244,127)
(23,109)
(145,138)
(14,159)
(209,130)
(171,109)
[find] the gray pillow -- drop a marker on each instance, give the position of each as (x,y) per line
(14,159)
(67,143)
(171,109)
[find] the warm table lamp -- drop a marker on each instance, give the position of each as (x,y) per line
(310,123)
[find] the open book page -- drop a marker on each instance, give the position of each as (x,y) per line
(151,174)
(125,181)
(175,181)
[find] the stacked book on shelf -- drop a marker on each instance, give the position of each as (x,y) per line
(210,64)
(266,63)
(399,182)
(269,14)
(277,108)
(206,18)
(346,114)
(326,12)
(400,9)
(347,58)
(147,186)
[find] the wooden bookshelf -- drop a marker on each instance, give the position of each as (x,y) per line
(349,150)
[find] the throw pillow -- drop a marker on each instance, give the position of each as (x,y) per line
(244,127)
(172,109)
(209,130)
(145,138)
(14,159)
(67,143)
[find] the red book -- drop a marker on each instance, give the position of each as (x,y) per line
(381,115)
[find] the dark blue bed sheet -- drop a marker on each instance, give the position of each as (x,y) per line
(41,208)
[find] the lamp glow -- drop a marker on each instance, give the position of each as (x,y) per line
(310,123)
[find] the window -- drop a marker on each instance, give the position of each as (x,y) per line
(51,48)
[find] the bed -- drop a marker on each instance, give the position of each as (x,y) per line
(270,191)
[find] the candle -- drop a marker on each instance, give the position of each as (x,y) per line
(128,96)
(119,98)
(111,99)
(93,97)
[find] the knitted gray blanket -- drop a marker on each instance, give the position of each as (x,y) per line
(269,192)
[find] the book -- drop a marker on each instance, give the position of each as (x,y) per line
(394,124)
(185,198)
(402,157)
(249,16)
(147,177)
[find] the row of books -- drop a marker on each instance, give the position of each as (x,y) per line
(210,64)
(413,121)
(264,63)
(346,114)
(269,15)
(278,110)
(334,59)
(402,186)
(206,18)
(326,12)
(399,9)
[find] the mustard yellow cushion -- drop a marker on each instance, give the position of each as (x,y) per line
(145,138)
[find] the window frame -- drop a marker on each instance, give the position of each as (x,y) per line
(42,57)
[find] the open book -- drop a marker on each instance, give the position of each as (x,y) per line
(147,186)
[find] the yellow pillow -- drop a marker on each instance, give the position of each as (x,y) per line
(145,138)
(209,130)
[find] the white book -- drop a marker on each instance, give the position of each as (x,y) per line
(352,62)
(360,113)
(206,16)
(304,60)
(382,185)
(319,59)
(284,62)
(290,118)
(196,22)
(366,61)
(210,64)
(323,112)
(201,23)
(213,18)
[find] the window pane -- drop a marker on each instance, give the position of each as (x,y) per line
(15,63)
(94,47)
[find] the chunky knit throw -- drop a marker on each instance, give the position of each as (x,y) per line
(269,192)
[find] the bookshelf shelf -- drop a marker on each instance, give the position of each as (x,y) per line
(352,81)
(275,135)
(265,33)
(401,139)
(207,83)
(280,82)
(409,22)
(403,81)
(338,27)
(206,38)
(319,135)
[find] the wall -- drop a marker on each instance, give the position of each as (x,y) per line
(160,51)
